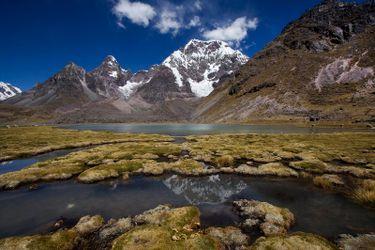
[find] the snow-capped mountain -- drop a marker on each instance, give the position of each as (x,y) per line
(7,91)
(201,64)
(106,79)
(193,70)
(168,91)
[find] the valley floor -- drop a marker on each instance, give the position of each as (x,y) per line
(339,162)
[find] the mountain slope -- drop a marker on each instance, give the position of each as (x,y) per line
(7,91)
(321,67)
(65,90)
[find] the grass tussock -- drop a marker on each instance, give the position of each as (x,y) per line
(328,181)
(364,193)
(225,161)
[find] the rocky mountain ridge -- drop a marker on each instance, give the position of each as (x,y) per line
(165,91)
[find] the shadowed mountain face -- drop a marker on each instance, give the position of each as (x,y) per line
(65,90)
(320,67)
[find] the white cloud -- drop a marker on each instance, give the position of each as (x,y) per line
(235,32)
(168,22)
(194,22)
(137,12)
(198,5)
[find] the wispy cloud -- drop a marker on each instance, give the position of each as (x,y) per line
(198,5)
(169,18)
(195,22)
(166,17)
(233,32)
(137,12)
(168,22)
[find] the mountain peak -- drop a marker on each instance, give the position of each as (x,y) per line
(109,68)
(196,41)
(212,45)
(71,66)
(110,60)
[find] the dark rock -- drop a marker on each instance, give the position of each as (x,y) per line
(234,89)
(259,87)
(271,220)
(328,24)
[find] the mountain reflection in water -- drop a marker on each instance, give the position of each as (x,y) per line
(205,190)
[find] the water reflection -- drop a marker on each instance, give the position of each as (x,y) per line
(29,212)
(15,165)
(205,190)
(203,129)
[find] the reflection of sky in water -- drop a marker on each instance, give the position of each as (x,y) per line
(200,129)
(15,165)
(205,190)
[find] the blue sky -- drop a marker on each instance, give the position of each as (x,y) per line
(37,38)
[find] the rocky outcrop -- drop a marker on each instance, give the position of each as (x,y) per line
(327,25)
(232,237)
(267,218)
(342,71)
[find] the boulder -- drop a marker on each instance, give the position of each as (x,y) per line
(269,219)
(89,224)
(232,237)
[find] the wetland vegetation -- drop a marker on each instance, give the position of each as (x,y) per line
(342,163)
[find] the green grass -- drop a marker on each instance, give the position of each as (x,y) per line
(27,141)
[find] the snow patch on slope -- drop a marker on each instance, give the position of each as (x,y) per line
(130,87)
(8,91)
(113,74)
(172,62)
(205,87)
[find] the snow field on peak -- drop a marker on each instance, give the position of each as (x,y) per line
(8,91)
